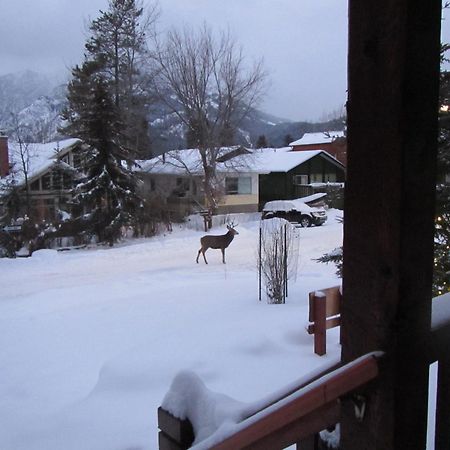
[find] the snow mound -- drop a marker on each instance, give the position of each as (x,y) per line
(207,410)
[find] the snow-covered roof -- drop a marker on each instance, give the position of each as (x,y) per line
(280,159)
(260,161)
(318,138)
(42,157)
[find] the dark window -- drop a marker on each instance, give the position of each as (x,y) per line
(34,186)
(238,185)
(56,180)
(46,182)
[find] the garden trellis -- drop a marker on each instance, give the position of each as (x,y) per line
(278,251)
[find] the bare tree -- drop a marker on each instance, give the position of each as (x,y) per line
(204,81)
(22,157)
(277,257)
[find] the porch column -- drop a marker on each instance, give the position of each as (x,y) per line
(393,75)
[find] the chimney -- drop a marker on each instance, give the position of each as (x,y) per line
(4,157)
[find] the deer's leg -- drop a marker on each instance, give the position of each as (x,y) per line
(198,254)
(204,257)
(223,255)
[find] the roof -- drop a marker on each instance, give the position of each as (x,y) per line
(318,138)
(42,157)
(262,161)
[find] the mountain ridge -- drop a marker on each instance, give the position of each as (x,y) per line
(31,104)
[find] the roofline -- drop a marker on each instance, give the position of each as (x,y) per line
(51,162)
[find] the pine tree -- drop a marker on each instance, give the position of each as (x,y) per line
(118,47)
(107,102)
(108,192)
(441,280)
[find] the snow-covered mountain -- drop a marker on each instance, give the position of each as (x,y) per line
(34,103)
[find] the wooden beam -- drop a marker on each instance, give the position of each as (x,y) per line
(174,431)
(297,418)
(393,76)
(320,419)
(330,323)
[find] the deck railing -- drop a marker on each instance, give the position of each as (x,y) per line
(302,412)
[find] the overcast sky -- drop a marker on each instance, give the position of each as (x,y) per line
(303,42)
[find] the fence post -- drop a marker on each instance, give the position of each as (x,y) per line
(320,325)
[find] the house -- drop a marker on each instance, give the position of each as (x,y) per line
(176,179)
(246,179)
(49,170)
(333,142)
(285,174)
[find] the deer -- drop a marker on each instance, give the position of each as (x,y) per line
(222,241)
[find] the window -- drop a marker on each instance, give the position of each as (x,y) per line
(238,185)
(56,180)
(316,178)
(34,186)
(182,188)
(46,182)
(300,179)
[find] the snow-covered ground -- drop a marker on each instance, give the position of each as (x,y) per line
(90,340)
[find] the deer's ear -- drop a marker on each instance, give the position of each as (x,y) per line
(228,226)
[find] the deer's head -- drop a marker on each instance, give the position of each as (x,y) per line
(232,228)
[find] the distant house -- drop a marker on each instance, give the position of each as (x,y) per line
(285,174)
(333,142)
(51,170)
(175,178)
(247,178)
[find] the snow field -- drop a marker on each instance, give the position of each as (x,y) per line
(92,339)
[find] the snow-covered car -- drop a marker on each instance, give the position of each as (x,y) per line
(295,211)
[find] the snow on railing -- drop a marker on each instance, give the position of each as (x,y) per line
(207,420)
(222,423)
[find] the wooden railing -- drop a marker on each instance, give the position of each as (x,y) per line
(324,313)
(302,412)
(312,407)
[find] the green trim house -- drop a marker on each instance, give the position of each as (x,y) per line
(248,178)
(308,171)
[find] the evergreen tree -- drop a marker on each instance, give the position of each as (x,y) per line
(108,192)
(118,47)
(441,281)
(107,102)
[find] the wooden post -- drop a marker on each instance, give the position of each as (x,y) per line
(309,443)
(320,324)
(393,81)
(175,434)
(442,439)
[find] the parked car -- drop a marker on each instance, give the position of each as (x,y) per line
(295,211)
